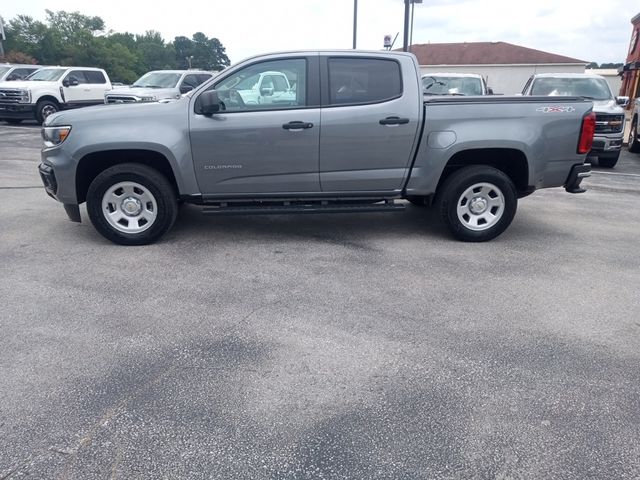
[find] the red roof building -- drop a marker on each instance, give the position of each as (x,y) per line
(487,53)
(505,66)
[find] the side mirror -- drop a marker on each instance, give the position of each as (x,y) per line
(266,91)
(622,101)
(209,103)
(489,91)
(186,88)
(65,83)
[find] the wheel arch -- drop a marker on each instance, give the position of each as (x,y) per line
(49,97)
(512,162)
(92,164)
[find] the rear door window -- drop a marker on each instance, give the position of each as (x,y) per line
(354,81)
(93,76)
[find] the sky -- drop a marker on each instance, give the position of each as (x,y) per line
(590,30)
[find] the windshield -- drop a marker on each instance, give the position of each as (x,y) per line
(437,85)
(158,80)
(47,74)
(591,88)
(4,70)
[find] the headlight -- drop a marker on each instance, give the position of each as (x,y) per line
(24,96)
(150,98)
(54,136)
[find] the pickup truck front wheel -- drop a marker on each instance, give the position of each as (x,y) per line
(44,108)
(477,203)
(634,142)
(131,204)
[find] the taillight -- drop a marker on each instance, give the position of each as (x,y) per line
(586,133)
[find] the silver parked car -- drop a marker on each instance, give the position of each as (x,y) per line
(158,85)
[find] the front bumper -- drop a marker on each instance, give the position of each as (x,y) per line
(48,180)
(578,172)
(50,183)
(606,143)
(17,111)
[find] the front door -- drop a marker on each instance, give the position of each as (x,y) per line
(75,94)
(260,149)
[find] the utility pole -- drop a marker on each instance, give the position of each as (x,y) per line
(355,22)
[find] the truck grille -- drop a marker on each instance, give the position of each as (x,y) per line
(12,96)
(609,123)
(121,99)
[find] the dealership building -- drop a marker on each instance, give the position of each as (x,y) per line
(631,70)
(505,67)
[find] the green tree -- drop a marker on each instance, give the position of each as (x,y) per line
(206,53)
(71,38)
(154,52)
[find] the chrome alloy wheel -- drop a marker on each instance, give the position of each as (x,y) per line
(48,110)
(480,206)
(129,207)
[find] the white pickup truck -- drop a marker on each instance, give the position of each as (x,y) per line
(264,88)
(454,84)
(50,90)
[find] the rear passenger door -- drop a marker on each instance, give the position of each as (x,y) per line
(370,117)
(96,86)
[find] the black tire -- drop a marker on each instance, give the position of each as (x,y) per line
(492,189)
(149,181)
(13,121)
(417,201)
(44,108)
(634,142)
(608,161)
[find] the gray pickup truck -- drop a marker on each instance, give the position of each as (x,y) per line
(352,135)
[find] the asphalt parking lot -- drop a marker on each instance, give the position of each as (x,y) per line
(299,347)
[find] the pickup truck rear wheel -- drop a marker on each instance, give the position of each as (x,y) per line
(132,204)
(477,203)
(609,161)
(44,108)
(634,143)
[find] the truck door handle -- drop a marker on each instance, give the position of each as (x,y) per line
(394,121)
(295,126)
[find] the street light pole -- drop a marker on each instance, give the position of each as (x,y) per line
(405,43)
(355,22)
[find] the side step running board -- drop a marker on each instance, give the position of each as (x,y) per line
(224,209)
